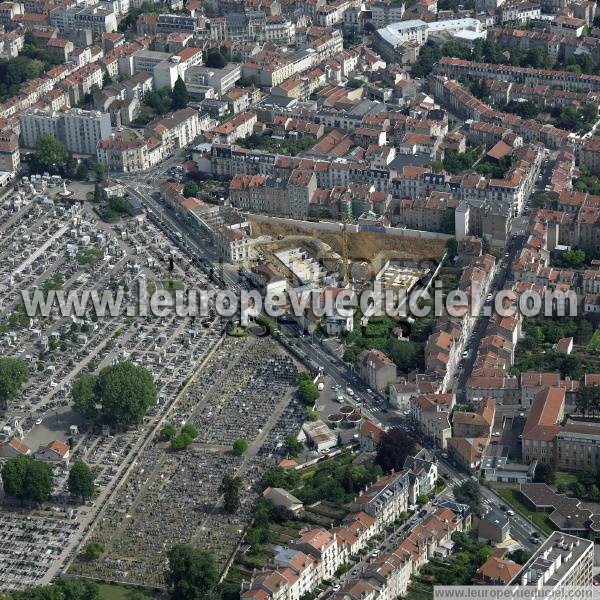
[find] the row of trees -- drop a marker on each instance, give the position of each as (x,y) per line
(14,373)
(27,479)
(119,395)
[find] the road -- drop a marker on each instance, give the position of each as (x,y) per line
(374,406)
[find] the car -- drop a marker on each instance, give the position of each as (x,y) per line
(465,354)
(510,512)
(444,455)
(503,507)
(350,392)
(39,420)
(335,587)
(534,540)
(422,513)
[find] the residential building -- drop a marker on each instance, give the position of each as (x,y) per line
(376,369)
(542,425)
(475,424)
(386,499)
(496,571)
(562,560)
(79,130)
(494,527)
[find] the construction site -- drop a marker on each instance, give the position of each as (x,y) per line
(313,255)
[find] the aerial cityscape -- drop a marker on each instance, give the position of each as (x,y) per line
(299,300)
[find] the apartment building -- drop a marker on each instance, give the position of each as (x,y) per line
(93,18)
(321,545)
(478,423)
(376,369)
(79,130)
(385,500)
(562,560)
(127,156)
(589,154)
(542,426)
(222,80)
(432,413)
(233,244)
(238,127)
(394,41)
(177,129)
(457,67)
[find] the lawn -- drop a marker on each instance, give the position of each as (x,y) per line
(515,499)
(172,285)
(565,479)
(594,343)
(109,591)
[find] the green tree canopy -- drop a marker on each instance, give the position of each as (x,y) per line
(190,189)
(292,445)
(469,493)
(25,478)
(230,488)
(240,446)
(50,154)
(544,474)
(81,480)
(63,589)
(180,95)
(395,446)
(124,391)
(93,551)
(192,573)
(215,60)
(13,374)
(83,392)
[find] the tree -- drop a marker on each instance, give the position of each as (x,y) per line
(186,436)
(27,479)
(520,556)
(14,372)
(308,392)
(81,480)
(469,493)
(13,476)
(452,247)
(240,446)
(544,474)
(125,392)
(168,432)
(93,551)
(83,392)
(100,171)
(190,189)
(230,488)
(50,154)
(180,95)
(192,573)
(63,589)
(292,445)
(355,83)
(81,172)
(70,167)
(215,60)
(395,446)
